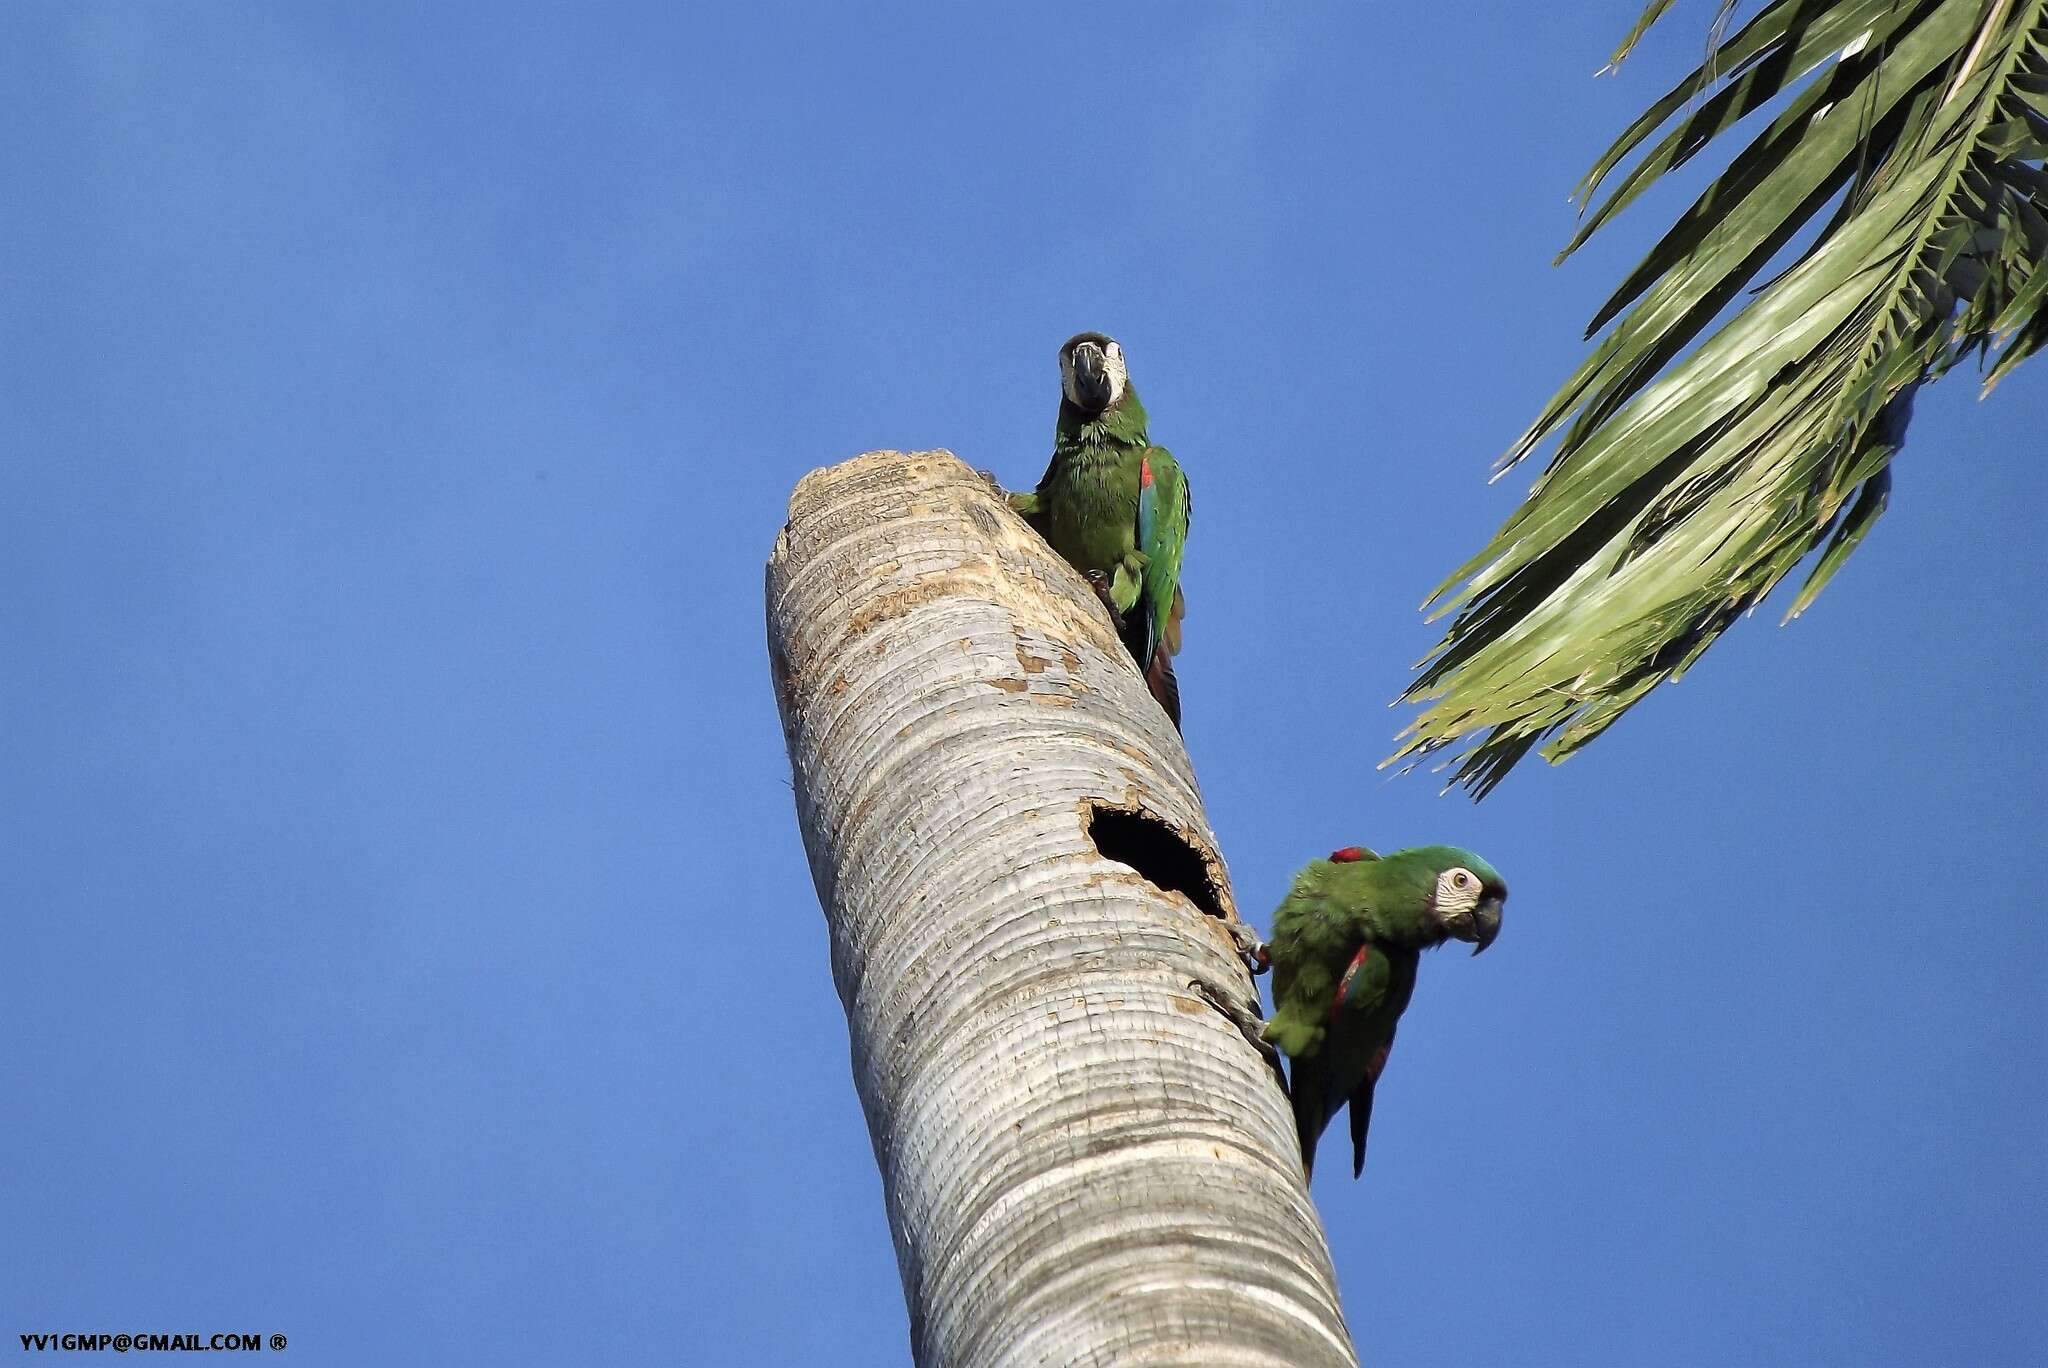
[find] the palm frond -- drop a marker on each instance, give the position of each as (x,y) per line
(1696,469)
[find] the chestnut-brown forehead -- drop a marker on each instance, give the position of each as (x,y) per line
(1099,339)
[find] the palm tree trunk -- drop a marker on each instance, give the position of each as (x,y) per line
(1084,1161)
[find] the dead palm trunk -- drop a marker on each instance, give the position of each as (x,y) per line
(1084,1161)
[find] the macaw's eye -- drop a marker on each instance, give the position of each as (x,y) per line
(1461,880)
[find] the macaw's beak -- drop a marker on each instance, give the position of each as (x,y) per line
(1486,921)
(1091,377)
(1479,924)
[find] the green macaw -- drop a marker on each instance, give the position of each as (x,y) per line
(1347,940)
(1116,507)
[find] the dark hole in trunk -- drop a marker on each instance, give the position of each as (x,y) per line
(1158,852)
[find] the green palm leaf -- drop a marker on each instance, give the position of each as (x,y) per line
(1696,469)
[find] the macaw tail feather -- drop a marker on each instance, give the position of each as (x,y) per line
(1165,687)
(1361,1119)
(1154,644)
(1306,1095)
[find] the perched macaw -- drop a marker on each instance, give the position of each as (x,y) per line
(1116,507)
(1346,943)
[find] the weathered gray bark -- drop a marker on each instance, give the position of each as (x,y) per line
(1084,1161)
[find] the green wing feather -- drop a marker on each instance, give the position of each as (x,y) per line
(1169,537)
(1361,1101)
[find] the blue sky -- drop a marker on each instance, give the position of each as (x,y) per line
(409,948)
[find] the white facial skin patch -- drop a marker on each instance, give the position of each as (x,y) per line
(1457,890)
(1113,359)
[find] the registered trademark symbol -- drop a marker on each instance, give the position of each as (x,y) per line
(277,1341)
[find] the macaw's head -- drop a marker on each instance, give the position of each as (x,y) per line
(1092,374)
(1450,894)
(1467,895)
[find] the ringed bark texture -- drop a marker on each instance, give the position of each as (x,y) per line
(1084,1162)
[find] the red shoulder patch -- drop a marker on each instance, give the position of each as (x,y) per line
(1145,472)
(1348,855)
